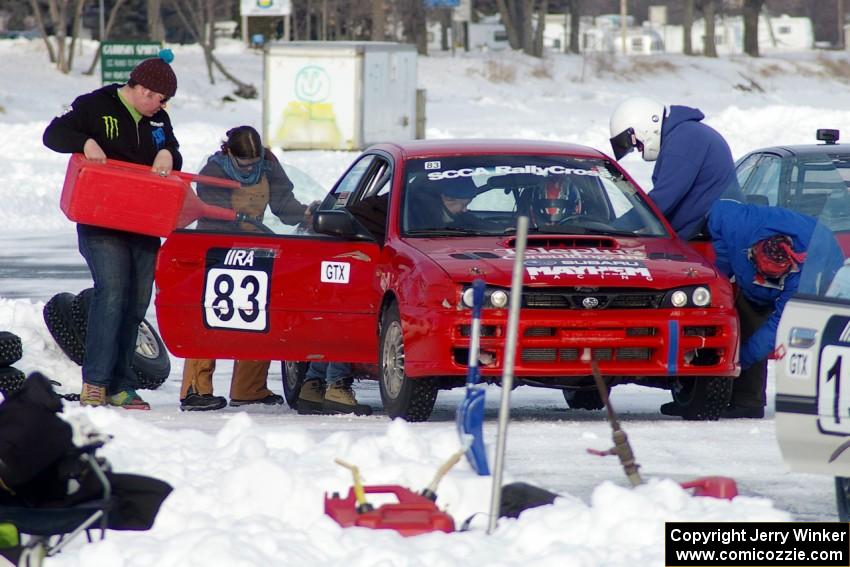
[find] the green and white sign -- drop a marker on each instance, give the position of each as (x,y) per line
(117,58)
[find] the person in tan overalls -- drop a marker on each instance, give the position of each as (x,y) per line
(264,183)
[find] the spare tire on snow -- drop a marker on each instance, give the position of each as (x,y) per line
(66,317)
(11,348)
(11,380)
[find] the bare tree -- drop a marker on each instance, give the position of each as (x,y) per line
(575,19)
(518,19)
(197,16)
(379,20)
(709,45)
(60,13)
(751,10)
(687,28)
(110,23)
(156,30)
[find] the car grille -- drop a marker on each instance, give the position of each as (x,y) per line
(572,354)
(603,298)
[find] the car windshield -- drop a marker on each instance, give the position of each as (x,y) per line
(820,187)
(479,195)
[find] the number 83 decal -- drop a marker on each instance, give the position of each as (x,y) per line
(236,289)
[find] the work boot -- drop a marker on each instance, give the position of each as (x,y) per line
(742,412)
(128,399)
(339,398)
(201,402)
(310,397)
(92,395)
(270,400)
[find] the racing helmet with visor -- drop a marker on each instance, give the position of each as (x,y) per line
(555,201)
(636,123)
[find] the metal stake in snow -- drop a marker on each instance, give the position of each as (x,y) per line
(508,370)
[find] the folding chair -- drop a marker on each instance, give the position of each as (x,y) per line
(57,526)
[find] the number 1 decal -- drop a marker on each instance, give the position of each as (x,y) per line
(833,405)
(236,288)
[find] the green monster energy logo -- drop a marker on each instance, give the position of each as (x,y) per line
(110,124)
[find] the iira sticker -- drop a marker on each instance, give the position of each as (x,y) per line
(336,272)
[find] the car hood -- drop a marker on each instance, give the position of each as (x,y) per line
(550,260)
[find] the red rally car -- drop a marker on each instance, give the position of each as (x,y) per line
(382,279)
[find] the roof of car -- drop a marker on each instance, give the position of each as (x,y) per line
(431,148)
(805,149)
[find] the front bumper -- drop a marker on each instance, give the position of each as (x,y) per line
(560,343)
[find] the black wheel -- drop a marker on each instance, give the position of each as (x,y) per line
(842,498)
(57,317)
(11,380)
(292,374)
(411,400)
(583,399)
(11,348)
(702,398)
(67,316)
(151,361)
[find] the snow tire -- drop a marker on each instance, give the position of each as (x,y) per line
(57,317)
(583,399)
(409,399)
(842,498)
(292,374)
(11,348)
(66,316)
(11,380)
(703,398)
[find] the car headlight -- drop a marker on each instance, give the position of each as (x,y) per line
(679,298)
(466,297)
(701,297)
(499,298)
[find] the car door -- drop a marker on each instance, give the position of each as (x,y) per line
(230,294)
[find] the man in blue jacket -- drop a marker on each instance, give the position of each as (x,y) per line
(694,166)
(764,249)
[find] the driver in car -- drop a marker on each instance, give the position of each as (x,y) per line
(443,204)
(556,201)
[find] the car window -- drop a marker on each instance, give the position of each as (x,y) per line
(820,184)
(347,186)
(764,180)
(559,194)
(370,201)
(745,168)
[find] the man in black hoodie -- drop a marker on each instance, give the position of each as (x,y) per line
(128,123)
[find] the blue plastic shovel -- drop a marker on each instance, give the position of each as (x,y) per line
(470,412)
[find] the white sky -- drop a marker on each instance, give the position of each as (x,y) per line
(249,484)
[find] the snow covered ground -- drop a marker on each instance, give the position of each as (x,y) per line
(249,484)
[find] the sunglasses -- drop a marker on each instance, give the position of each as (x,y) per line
(162,99)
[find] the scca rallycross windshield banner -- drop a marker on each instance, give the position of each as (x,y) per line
(505,170)
(756,544)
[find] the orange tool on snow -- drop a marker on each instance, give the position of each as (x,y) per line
(128,196)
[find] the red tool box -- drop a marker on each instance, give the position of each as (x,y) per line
(413,514)
(128,196)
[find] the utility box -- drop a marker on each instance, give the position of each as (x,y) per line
(320,95)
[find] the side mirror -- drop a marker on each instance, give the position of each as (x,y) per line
(758,200)
(340,223)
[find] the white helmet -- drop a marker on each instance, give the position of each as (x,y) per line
(642,117)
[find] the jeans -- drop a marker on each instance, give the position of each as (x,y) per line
(328,372)
(122,267)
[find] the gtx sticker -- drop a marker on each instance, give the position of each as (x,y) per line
(336,272)
(508,169)
(237,288)
(798,364)
(581,267)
